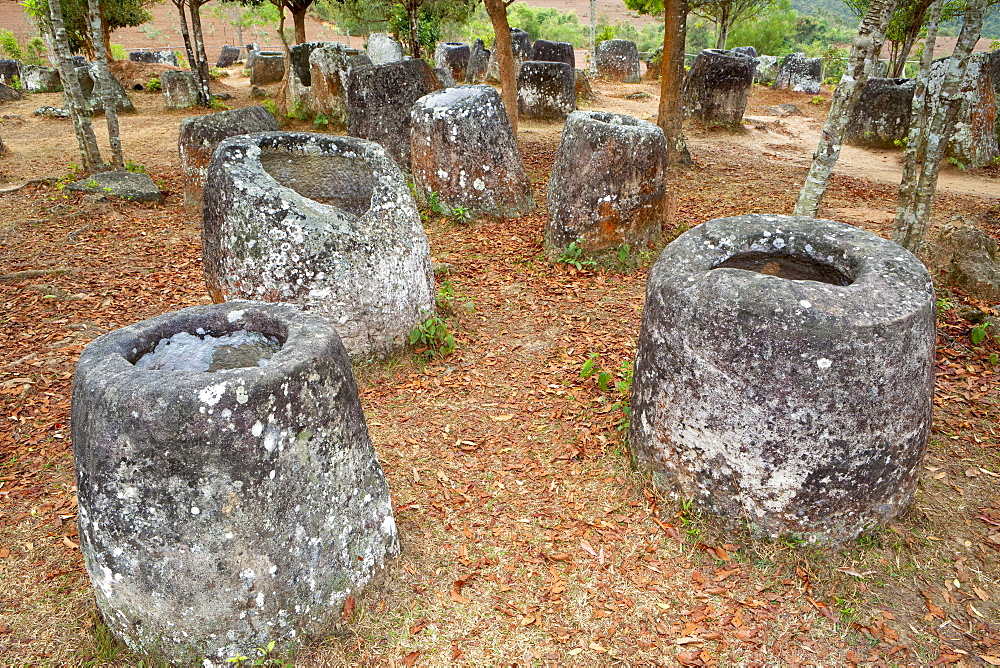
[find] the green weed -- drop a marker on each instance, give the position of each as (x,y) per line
(432,338)
(573,256)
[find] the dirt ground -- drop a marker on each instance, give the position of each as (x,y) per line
(527,537)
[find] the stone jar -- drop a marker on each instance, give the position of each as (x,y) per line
(717,87)
(324,222)
(229,494)
(199,136)
(618,60)
(463,149)
(607,185)
(179,89)
(784,375)
(558,52)
(479,62)
(266,67)
(800,74)
(546,90)
(882,115)
(454,57)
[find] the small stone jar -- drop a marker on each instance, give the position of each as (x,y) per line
(784,374)
(229,494)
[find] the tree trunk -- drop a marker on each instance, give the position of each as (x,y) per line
(105,32)
(185,33)
(200,64)
(916,197)
(670,115)
(722,36)
(593,36)
(90,154)
(299,21)
(104,79)
(282,92)
(864,53)
(412,19)
(497,11)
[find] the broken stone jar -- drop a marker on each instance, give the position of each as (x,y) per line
(324,222)
(784,375)
(229,494)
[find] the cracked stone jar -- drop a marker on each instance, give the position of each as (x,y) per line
(229,493)
(784,374)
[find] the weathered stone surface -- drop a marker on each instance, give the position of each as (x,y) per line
(10,71)
(747,51)
(163,57)
(581,85)
(618,60)
(200,135)
(654,64)
(463,149)
(92,92)
(180,89)
(382,49)
(454,57)
(718,86)
(444,78)
(8,94)
(324,222)
(800,74)
(607,184)
(959,254)
(786,109)
(301,53)
(379,98)
(79,61)
(546,90)
(252,50)
(882,115)
(229,56)
(266,67)
(974,141)
(329,67)
(222,510)
(766,71)
(126,185)
(520,43)
(760,336)
(556,52)
(52,112)
(479,62)
(36,79)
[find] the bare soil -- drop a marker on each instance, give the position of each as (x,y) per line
(528,539)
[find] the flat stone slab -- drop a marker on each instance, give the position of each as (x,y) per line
(125,185)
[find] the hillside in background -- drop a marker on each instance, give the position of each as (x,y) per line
(837,9)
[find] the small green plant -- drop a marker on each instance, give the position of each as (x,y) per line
(218,105)
(955,162)
(460,214)
(900,143)
(216,73)
(153,85)
(263,658)
(448,298)
(134,167)
(270,106)
(818,99)
(623,251)
(573,256)
(10,46)
(978,333)
(15,82)
(434,203)
(118,52)
(945,303)
(299,112)
(321,121)
(432,338)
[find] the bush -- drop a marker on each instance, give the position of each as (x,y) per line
(33,53)
(118,52)
(770,33)
(548,23)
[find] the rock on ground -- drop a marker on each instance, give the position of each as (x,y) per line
(959,254)
(126,185)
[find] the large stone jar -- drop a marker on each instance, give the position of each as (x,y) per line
(784,374)
(718,86)
(324,222)
(607,185)
(463,149)
(229,494)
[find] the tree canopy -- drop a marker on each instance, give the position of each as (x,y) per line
(115,14)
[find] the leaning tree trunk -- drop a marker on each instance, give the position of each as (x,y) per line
(107,94)
(185,33)
(916,199)
(862,61)
(282,92)
(670,114)
(412,9)
(497,11)
(593,36)
(90,154)
(200,64)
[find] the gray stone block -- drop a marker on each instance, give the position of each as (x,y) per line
(546,90)
(800,74)
(717,87)
(618,60)
(126,185)
(180,89)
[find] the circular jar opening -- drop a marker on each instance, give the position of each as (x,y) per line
(783,265)
(205,352)
(336,180)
